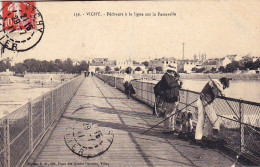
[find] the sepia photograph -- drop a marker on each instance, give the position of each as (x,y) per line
(130,83)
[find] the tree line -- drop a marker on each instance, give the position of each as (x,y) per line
(33,65)
(229,68)
(236,65)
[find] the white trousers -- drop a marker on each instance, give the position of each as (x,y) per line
(213,122)
(169,124)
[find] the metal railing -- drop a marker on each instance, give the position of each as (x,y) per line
(22,130)
(240,127)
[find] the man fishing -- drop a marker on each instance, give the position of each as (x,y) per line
(170,85)
(208,94)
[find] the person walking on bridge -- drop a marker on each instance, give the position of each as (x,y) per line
(170,85)
(210,91)
(127,83)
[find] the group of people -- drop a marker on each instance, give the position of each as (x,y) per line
(167,92)
(87,73)
(168,98)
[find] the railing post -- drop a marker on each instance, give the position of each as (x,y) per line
(242,127)
(141,90)
(44,112)
(187,99)
(147,94)
(7,156)
(115,81)
(30,114)
(52,108)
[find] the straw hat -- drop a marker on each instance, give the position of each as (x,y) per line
(171,67)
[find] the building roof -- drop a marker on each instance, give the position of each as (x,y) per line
(136,65)
(210,62)
(97,64)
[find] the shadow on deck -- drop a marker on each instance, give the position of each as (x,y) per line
(102,128)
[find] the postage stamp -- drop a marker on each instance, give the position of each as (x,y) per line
(21,26)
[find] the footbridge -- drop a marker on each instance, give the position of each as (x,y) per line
(89,122)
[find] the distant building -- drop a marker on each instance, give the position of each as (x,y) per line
(226,60)
(188,65)
(248,58)
(101,63)
(210,64)
(143,69)
(94,66)
(123,64)
(200,57)
(162,62)
(99,60)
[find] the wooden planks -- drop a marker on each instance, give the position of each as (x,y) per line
(126,120)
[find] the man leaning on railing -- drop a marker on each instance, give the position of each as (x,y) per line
(208,94)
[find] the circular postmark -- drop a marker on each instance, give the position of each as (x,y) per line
(88,140)
(21,26)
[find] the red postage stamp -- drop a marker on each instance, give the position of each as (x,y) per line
(18,16)
(21,25)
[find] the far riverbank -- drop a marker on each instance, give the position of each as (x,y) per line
(202,76)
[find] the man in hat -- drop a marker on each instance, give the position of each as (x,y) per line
(210,91)
(170,85)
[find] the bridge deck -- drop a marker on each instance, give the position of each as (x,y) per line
(126,119)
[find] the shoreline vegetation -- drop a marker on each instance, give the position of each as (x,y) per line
(217,76)
(201,76)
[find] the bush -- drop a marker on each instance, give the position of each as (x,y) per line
(138,69)
(128,70)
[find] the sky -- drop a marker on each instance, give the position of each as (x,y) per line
(216,28)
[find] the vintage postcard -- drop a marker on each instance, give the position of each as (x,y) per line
(129,83)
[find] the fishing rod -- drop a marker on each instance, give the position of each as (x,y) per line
(231,107)
(250,134)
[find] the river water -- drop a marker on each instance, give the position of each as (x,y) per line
(248,90)
(245,89)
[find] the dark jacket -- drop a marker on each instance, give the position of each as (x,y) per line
(209,93)
(170,86)
(157,89)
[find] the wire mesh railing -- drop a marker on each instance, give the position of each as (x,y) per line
(22,130)
(240,120)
